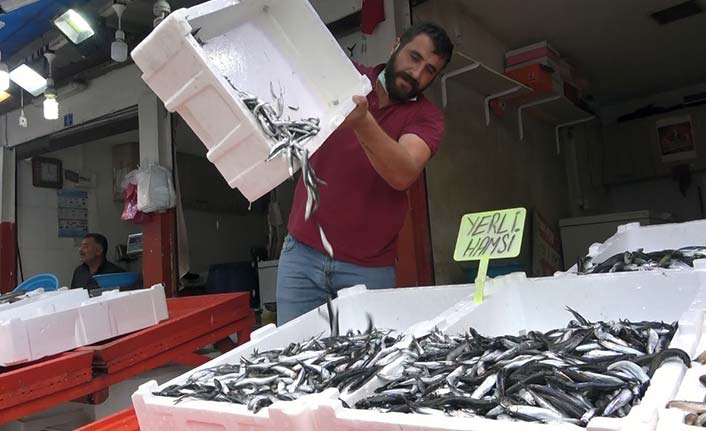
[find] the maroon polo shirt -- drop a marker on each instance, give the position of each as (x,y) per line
(359,211)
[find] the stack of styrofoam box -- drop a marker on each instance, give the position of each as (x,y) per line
(256,45)
(513,304)
(632,236)
(53,322)
(397,309)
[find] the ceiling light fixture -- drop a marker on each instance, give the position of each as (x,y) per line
(4,95)
(74,26)
(10,5)
(27,78)
(51,104)
(118,49)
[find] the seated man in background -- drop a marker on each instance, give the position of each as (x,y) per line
(93,257)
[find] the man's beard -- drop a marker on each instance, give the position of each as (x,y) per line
(395,92)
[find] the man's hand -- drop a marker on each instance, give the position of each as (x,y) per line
(358,115)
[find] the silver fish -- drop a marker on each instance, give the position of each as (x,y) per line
(324,241)
(621,399)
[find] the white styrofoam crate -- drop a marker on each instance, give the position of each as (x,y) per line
(40,298)
(632,236)
(397,309)
(690,389)
(254,43)
(54,322)
(515,303)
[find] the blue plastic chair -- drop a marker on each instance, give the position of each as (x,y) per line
(44,281)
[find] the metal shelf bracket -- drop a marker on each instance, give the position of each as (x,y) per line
(569,124)
(521,109)
(495,96)
(451,74)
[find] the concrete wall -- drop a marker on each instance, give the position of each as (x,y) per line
(483,168)
(619,167)
(661,195)
(41,249)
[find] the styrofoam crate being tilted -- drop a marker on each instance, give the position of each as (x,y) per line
(196,56)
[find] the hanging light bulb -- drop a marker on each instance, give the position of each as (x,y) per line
(4,76)
(51,104)
(118,49)
(160,9)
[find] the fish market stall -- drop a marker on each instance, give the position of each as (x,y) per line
(516,360)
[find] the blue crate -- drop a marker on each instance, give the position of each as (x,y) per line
(44,281)
(118,279)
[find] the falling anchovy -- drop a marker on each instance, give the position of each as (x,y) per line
(570,374)
(289,137)
(640,261)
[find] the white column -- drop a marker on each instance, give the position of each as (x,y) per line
(155,131)
(7,187)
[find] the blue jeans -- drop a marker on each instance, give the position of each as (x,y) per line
(306,277)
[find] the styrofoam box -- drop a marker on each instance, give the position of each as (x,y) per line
(632,236)
(54,322)
(256,44)
(515,304)
(39,296)
(690,389)
(398,309)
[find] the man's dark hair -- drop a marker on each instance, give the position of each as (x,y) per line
(100,240)
(443,47)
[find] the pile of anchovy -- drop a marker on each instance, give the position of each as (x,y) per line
(343,362)
(568,375)
(640,261)
(696,410)
(564,375)
(289,137)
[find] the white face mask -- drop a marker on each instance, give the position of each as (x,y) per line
(383,81)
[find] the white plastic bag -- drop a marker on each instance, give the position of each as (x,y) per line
(155,188)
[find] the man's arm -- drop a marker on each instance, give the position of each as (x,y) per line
(399,163)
